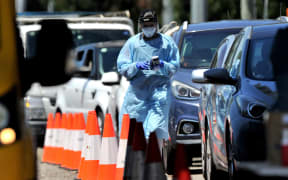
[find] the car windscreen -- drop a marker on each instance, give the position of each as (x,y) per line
(81,37)
(259,66)
(198,47)
(107,58)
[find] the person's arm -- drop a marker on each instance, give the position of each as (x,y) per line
(172,64)
(125,65)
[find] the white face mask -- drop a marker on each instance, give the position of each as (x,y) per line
(149,31)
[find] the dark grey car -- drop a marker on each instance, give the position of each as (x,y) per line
(232,107)
(197,44)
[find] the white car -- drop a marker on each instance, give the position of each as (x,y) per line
(41,100)
(94,83)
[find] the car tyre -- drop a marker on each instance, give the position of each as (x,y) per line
(211,173)
(203,158)
(231,164)
(100,117)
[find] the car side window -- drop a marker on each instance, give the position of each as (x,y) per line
(94,70)
(233,62)
(219,55)
(79,55)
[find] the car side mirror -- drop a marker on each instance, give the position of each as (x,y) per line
(219,76)
(110,78)
(198,76)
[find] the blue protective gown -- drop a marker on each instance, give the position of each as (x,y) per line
(147,98)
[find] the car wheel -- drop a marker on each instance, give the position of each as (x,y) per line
(100,117)
(203,158)
(231,165)
(169,157)
(211,172)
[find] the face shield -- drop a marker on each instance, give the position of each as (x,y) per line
(148,17)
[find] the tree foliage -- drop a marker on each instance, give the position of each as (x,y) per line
(217,9)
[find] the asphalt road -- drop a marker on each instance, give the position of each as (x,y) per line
(49,171)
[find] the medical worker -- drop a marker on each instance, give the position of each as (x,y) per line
(148,60)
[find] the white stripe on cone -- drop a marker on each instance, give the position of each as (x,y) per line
(55,137)
(122,153)
(61,137)
(72,139)
(66,139)
(285,137)
(78,140)
(93,148)
(84,147)
(48,137)
(109,150)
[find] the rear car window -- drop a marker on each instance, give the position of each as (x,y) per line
(107,58)
(81,37)
(198,47)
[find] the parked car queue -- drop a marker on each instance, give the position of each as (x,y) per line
(197,44)
(238,87)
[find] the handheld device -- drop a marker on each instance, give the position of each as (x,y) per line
(155,61)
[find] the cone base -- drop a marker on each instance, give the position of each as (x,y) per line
(76,160)
(46,154)
(119,173)
(91,169)
(81,170)
(107,171)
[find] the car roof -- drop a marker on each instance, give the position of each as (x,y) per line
(226,24)
(265,31)
(118,43)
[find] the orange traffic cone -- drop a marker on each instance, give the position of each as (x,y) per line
(122,147)
(48,139)
(129,154)
(181,168)
(84,148)
(65,138)
(68,149)
(139,148)
(79,131)
(59,155)
(108,158)
(284,147)
(91,162)
(153,164)
(56,138)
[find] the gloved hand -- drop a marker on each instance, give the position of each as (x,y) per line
(143,65)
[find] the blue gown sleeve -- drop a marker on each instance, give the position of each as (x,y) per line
(125,65)
(172,64)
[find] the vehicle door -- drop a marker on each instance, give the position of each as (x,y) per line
(72,90)
(92,84)
(224,94)
(210,94)
(95,93)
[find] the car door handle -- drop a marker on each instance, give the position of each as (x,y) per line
(93,93)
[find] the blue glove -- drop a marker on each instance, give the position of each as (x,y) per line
(143,65)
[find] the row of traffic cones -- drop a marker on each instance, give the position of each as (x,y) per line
(64,139)
(72,145)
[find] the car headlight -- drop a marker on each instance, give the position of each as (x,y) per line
(183,91)
(34,108)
